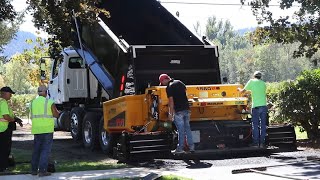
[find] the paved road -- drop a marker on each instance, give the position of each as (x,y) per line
(302,164)
(294,165)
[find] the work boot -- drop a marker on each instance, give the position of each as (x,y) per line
(191,151)
(41,174)
(176,151)
(263,145)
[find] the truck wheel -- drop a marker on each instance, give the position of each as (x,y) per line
(63,119)
(90,129)
(76,117)
(105,139)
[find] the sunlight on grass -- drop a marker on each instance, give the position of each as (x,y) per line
(87,165)
(23,158)
(300,135)
(73,166)
(173,177)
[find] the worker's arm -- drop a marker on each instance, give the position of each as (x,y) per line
(8,118)
(246,87)
(171,108)
(241,90)
(4,109)
(55,111)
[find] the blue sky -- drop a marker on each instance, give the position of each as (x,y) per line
(239,16)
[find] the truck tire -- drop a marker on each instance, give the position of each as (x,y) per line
(90,130)
(64,121)
(76,118)
(105,139)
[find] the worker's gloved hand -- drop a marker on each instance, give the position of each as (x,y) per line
(18,120)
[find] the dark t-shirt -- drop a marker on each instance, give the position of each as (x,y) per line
(177,90)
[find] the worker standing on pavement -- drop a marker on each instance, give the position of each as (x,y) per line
(43,111)
(178,111)
(6,118)
(11,127)
(259,108)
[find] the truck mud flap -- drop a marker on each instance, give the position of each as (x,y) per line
(283,137)
(143,146)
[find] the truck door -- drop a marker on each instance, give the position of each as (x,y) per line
(55,80)
(76,78)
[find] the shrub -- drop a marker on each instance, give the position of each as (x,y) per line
(19,104)
(299,102)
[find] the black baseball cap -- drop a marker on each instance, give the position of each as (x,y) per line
(7,89)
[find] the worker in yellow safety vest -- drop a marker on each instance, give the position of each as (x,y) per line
(6,116)
(43,111)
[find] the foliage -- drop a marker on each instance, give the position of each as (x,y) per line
(7,11)
(8,30)
(299,102)
(15,77)
(301,26)
(300,133)
(273,90)
(55,18)
(239,58)
(19,104)
(25,78)
(220,30)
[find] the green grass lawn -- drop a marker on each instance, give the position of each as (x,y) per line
(73,166)
(300,135)
(23,158)
(173,177)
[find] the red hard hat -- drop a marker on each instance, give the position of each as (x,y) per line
(163,77)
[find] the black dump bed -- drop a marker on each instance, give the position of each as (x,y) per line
(146,22)
(191,64)
(140,41)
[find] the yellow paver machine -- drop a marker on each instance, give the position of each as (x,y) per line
(219,122)
(126,110)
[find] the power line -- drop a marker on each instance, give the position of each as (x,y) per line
(212,4)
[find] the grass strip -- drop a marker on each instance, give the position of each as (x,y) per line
(72,166)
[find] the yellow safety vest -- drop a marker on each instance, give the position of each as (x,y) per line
(3,123)
(41,116)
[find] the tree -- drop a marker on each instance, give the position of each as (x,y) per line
(8,31)
(197,28)
(7,11)
(303,25)
(15,77)
(299,102)
(55,17)
(219,30)
(27,77)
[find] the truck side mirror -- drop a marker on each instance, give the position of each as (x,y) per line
(42,69)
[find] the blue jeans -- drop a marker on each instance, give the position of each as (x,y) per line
(41,150)
(259,118)
(182,122)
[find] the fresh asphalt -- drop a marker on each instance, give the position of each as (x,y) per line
(299,165)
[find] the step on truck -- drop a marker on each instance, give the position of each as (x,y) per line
(108,90)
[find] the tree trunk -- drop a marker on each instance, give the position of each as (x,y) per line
(311,129)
